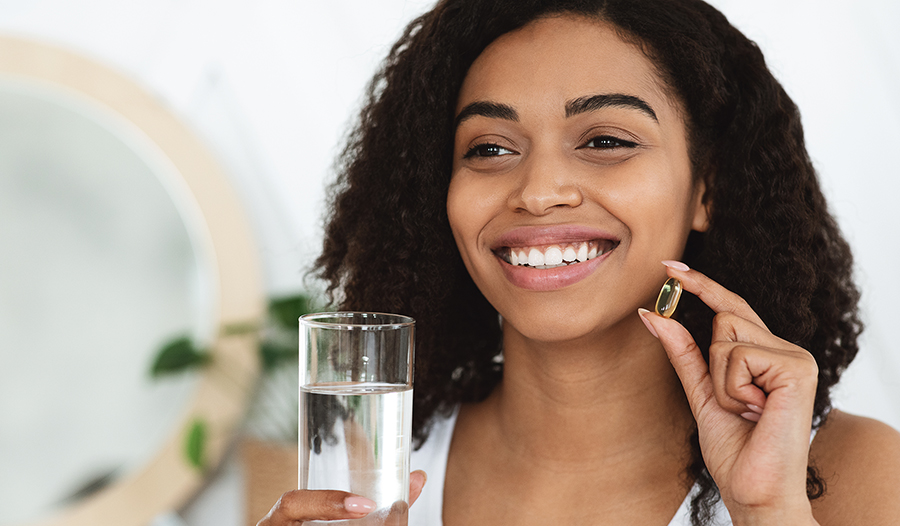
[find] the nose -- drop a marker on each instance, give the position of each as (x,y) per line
(544,186)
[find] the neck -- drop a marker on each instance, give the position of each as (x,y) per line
(602,398)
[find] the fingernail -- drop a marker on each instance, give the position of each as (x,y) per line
(677,265)
(358,504)
(755,408)
(421,474)
(642,313)
(753,417)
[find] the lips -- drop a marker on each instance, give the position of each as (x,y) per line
(548,258)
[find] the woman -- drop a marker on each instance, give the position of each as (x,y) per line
(538,160)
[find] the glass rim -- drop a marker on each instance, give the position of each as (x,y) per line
(346,320)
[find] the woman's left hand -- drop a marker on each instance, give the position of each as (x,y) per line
(753,405)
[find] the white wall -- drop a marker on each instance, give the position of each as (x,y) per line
(841,64)
(272,84)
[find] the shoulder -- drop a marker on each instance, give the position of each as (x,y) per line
(859,459)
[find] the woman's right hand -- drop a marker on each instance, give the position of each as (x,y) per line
(295,507)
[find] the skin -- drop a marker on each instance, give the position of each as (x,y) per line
(599,396)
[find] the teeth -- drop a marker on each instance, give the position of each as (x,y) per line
(583,252)
(555,255)
(535,258)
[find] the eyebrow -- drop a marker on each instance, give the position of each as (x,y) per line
(595,102)
(496,110)
(491,110)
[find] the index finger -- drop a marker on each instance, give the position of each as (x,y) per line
(307,505)
(717,297)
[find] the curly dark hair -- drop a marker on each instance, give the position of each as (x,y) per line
(388,244)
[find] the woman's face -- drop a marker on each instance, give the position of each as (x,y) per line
(571,179)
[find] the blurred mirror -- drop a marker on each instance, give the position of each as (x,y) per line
(97,269)
(116,234)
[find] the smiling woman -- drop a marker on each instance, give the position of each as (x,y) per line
(525,177)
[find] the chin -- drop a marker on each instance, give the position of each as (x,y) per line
(553,327)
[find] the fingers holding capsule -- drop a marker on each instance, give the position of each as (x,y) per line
(746,361)
(714,295)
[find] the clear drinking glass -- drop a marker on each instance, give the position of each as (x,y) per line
(356,371)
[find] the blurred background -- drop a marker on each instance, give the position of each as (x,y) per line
(269,88)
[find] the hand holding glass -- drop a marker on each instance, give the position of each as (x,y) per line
(356,372)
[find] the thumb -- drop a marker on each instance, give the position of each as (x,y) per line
(416,484)
(685,356)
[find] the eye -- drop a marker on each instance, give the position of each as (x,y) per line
(487,150)
(608,142)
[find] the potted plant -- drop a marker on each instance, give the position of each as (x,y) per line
(268,441)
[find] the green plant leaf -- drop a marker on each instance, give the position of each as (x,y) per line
(286,310)
(195,444)
(274,354)
(178,355)
(240,328)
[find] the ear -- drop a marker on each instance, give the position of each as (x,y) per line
(700,223)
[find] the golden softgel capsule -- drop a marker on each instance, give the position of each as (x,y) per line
(668,298)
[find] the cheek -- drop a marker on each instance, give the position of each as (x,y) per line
(657,208)
(473,201)
(455,211)
(463,214)
(638,194)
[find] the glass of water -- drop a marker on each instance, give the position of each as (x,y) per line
(356,372)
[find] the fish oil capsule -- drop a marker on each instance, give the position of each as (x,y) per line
(668,298)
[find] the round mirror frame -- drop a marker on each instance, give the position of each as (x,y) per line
(167,482)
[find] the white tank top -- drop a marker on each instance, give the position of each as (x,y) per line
(432,458)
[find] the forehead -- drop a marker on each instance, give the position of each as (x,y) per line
(560,58)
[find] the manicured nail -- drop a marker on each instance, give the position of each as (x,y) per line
(358,504)
(755,408)
(753,417)
(642,313)
(677,265)
(420,473)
